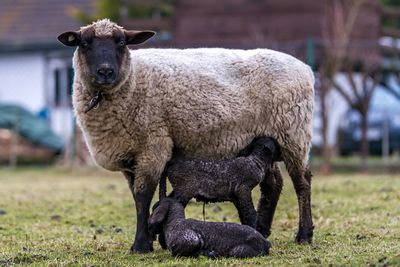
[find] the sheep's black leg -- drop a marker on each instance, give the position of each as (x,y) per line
(245,207)
(302,185)
(143,242)
(271,188)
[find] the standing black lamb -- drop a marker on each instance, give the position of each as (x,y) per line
(223,180)
(188,237)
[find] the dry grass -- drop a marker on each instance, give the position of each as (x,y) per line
(57,217)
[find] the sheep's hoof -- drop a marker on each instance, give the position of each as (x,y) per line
(142,248)
(303,237)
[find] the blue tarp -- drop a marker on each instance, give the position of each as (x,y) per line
(29,126)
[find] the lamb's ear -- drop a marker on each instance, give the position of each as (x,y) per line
(137,37)
(159,214)
(277,152)
(247,150)
(270,147)
(70,38)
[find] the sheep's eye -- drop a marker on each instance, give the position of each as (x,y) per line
(121,43)
(84,44)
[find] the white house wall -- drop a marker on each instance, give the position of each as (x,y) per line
(22,79)
(337,107)
(27,80)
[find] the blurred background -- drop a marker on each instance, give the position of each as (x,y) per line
(353,46)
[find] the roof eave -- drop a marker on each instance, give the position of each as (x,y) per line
(6,48)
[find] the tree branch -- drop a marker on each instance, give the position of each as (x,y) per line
(353,85)
(392,91)
(343,93)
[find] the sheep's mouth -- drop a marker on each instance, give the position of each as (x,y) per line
(100,83)
(107,83)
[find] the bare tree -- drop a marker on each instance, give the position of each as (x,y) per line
(337,30)
(389,85)
(362,86)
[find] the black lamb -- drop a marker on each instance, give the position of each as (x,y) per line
(223,180)
(188,237)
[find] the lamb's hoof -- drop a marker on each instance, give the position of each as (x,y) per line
(212,254)
(303,237)
(161,240)
(142,248)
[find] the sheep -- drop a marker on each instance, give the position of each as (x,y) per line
(138,108)
(188,237)
(222,180)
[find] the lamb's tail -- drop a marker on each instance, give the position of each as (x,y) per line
(162,192)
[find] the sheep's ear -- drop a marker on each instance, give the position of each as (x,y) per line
(70,38)
(159,213)
(137,37)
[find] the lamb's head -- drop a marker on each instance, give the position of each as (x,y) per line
(165,210)
(102,57)
(267,148)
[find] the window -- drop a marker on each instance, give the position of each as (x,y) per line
(63,80)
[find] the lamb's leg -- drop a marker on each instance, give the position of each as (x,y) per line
(245,207)
(187,243)
(301,178)
(243,251)
(271,188)
(182,198)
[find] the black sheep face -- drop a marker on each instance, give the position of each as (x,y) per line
(105,52)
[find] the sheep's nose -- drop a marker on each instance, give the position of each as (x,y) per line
(105,72)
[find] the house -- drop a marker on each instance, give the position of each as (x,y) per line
(34,65)
(35,70)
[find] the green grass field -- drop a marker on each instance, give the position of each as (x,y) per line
(58,217)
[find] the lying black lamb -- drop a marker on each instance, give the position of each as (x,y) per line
(223,180)
(188,237)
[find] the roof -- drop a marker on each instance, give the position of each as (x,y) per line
(35,24)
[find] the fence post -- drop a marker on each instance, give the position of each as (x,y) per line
(385,137)
(310,52)
(14,142)
(73,152)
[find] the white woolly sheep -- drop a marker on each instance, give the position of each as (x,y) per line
(206,103)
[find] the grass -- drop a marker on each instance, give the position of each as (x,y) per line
(57,217)
(351,164)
